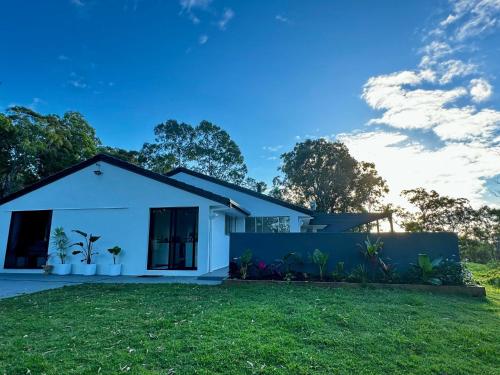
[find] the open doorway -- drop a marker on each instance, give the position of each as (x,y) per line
(29,236)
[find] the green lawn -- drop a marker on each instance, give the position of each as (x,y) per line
(162,329)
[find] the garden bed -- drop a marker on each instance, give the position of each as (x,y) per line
(466,290)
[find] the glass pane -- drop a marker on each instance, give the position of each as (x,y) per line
(249,224)
(258,225)
(173,238)
(269,224)
(284,225)
(160,238)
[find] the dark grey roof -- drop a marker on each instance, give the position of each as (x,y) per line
(129,167)
(241,189)
(341,222)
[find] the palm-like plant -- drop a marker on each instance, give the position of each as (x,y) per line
(60,242)
(320,259)
(87,247)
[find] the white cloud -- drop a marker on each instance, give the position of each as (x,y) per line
(433,106)
(62,58)
(457,169)
(405,106)
(227,16)
(479,16)
(272,148)
(189,6)
(78,3)
(203,39)
(480,90)
(281,18)
(454,68)
(77,81)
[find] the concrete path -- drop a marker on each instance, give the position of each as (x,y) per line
(13,284)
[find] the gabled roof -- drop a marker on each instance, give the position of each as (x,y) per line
(131,168)
(240,189)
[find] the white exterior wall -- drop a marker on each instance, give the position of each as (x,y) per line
(256,206)
(116,207)
(220,242)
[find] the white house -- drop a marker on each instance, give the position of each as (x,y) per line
(176,225)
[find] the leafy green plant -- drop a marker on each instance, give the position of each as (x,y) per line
(320,259)
(87,247)
(61,243)
(115,252)
(452,272)
(371,249)
(388,271)
(358,274)
(427,269)
(338,273)
(245,263)
(288,261)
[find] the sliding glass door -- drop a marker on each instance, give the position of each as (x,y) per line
(28,242)
(173,238)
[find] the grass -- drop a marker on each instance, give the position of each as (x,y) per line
(283,329)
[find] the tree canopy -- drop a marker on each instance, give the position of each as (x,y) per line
(34,146)
(478,229)
(325,173)
(205,148)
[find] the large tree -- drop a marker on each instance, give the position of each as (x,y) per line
(324,172)
(35,146)
(436,212)
(478,229)
(205,148)
(216,154)
(130,156)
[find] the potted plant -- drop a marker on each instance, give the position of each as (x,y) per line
(115,268)
(61,244)
(87,251)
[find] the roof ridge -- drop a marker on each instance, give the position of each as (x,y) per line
(120,163)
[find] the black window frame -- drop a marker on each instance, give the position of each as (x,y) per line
(260,221)
(172,267)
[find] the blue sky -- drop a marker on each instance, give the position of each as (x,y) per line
(401,82)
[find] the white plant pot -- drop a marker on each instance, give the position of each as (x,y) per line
(61,269)
(89,269)
(115,269)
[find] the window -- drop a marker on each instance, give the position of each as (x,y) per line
(267,224)
(173,238)
(230,225)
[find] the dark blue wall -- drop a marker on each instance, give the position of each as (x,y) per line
(401,248)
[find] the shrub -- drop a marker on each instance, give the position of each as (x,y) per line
(321,260)
(388,272)
(451,272)
(338,273)
(358,274)
(245,263)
